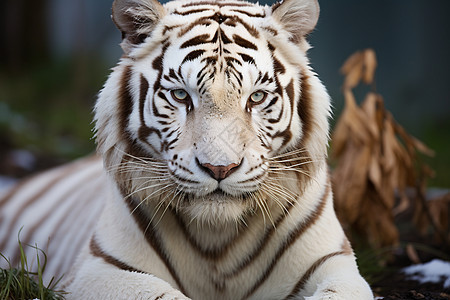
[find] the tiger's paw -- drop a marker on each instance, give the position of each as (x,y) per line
(169,295)
(325,295)
(342,291)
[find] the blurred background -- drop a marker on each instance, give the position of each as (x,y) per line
(56,54)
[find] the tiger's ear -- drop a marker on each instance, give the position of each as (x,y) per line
(136,19)
(299,17)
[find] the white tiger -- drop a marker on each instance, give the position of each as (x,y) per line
(213,131)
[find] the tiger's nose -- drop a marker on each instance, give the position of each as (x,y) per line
(219,172)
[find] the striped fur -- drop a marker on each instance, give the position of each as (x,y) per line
(213,131)
(55,211)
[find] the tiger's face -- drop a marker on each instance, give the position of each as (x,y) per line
(212,101)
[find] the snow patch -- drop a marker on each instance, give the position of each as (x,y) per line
(434,271)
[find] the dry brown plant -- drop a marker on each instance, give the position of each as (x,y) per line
(376,160)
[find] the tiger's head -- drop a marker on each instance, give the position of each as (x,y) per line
(213,109)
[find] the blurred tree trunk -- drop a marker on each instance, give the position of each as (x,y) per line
(23,34)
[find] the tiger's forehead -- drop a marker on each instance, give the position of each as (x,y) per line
(224,7)
(216,45)
(200,17)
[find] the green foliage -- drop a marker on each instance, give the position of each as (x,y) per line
(372,263)
(21,283)
(48,109)
(437,136)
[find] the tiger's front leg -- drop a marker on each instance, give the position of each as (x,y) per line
(337,279)
(96,279)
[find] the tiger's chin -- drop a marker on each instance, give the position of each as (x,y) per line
(216,208)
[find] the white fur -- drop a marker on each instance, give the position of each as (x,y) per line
(213,220)
(264,246)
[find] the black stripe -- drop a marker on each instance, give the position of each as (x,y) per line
(219,252)
(172,74)
(291,93)
(233,21)
(158,65)
(199,3)
(143,91)
(125,101)
(210,60)
(169,105)
(206,21)
(307,275)
(183,179)
(249,14)
(37,195)
(144,132)
(271,30)
(165,146)
(278,118)
(293,236)
(200,76)
(243,42)
(278,66)
(165,123)
(230,60)
(152,236)
(193,55)
(172,132)
(198,40)
(97,251)
(223,37)
(26,238)
(304,109)
(271,103)
(194,11)
(215,253)
(215,37)
(156,112)
(263,79)
(219,4)
(247,58)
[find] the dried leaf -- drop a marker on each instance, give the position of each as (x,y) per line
(374,115)
(353,70)
(354,59)
(375,175)
(370,64)
(403,205)
(375,158)
(412,254)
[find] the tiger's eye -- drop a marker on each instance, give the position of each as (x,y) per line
(180,95)
(257,97)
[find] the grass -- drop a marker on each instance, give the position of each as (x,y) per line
(21,283)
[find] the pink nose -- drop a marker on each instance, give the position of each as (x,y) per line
(219,172)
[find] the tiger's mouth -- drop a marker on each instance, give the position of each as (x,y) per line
(218,195)
(217,207)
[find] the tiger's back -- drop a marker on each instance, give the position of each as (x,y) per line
(213,131)
(55,211)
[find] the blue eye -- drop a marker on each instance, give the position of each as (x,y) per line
(257,97)
(180,95)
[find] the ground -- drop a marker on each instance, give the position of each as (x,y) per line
(396,286)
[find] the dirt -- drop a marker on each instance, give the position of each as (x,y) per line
(413,294)
(396,286)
